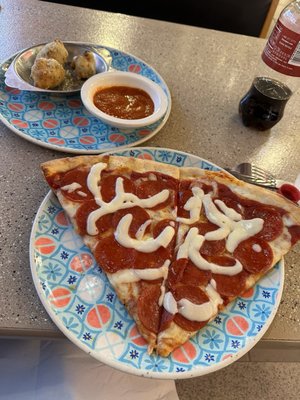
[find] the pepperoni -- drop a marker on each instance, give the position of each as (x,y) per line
(139,217)
(191,293)
(188,325)
(185,192)
(182,199)
(232,203)
(176,272)
(204,227)
(232,200)
(210,247)
(148,309)
(103,224)
(224,192)
(159,227)
(273,224)
(108,184)
(112,257)
(194,276)
(206,188)
(294,231)
(168,181)
(166,319)
(196,296)
(150,260)
(228,286)
(76,176)
(254,261)
(221,260)
(149,188)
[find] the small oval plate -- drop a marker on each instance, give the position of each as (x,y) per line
(23,62)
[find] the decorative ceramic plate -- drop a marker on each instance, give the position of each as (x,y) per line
(61,122)
(81,302)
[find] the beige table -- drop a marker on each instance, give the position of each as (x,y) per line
(207,73)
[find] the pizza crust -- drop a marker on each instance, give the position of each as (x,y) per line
(61,165)
(244,189)
(142,165)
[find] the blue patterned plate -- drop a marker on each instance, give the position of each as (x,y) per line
(62,123)
(81,302)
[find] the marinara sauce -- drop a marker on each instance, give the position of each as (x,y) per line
(124,102)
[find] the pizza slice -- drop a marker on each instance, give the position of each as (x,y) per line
(177,244)
(125,211)
(230,234)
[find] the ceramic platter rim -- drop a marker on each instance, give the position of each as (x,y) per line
(64,148)
(196,369)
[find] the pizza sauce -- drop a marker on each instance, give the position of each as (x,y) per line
(124,102)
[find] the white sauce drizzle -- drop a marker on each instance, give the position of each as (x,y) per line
(257,248)
(152,177)
(243,230)
(81,193)
(193,205)
(148,274)
(191,249)
(141,231)
(71,187)
(145,246)
(94,178)
(195,312)
(231,224)
(229,212)
(170,303)
(288,221)
(135,275)
(121,200)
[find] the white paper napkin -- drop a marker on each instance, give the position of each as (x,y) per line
(58,370)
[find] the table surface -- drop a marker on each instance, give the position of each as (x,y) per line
(207,73)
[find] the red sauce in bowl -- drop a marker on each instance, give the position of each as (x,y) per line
(124,102)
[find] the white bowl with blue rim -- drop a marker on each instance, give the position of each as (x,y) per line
(129,79)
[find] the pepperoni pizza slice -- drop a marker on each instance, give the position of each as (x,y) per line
(177,244)
(125,211)
(230,234)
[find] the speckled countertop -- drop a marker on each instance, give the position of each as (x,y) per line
(207,73)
